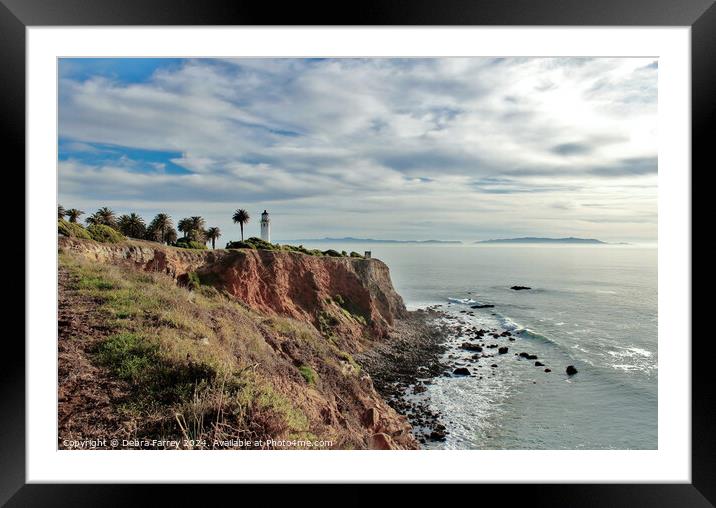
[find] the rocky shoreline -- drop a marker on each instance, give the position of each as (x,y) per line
(405,363)
(431,343)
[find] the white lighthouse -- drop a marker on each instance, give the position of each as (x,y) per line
(265,227)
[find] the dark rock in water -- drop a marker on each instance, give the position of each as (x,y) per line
(571,371)
(539,364)
(483,306)
(548,370)
(471,347)
(505,334)
(437,435)
(531,357)
(512,339)
(503,350)
(524,355)
(494,365)
(461,371)
(520,288)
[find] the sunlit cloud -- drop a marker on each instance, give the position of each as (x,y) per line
(458,148)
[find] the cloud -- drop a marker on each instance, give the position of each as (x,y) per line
(423,142)
(572,149)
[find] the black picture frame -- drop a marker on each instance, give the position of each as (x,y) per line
(700,15)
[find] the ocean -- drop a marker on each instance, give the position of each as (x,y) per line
(593,307)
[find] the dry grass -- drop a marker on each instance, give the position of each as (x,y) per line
(197,364)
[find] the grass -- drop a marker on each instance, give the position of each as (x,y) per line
(308,374)
(348,309)
(192,361)
(130,355)
(193,281)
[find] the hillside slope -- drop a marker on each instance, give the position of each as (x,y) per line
(215,348)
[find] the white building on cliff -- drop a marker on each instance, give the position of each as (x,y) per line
(265,227)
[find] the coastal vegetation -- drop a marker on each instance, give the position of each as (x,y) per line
(241,217)
(212,235)
(72,229)
(180,373)
(73,214)
(181,358)
(104,226)
(104,234)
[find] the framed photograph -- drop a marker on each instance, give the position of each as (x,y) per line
(442,244)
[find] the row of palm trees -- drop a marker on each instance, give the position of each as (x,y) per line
(160,229)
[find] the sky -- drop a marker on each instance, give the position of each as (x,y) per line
(441,148)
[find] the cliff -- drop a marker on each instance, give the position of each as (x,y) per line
(285,283)
(280,326)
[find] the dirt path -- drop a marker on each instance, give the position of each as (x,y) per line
(87,396)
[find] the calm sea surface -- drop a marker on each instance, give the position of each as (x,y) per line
(594,307)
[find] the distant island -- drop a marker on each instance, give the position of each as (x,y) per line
(532,239)
(350,239)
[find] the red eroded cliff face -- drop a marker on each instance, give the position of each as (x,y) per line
(273,312)
(350,297)
(322,290)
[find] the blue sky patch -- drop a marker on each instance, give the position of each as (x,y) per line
(133,159)
(123,70)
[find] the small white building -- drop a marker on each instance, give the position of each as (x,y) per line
(265,227)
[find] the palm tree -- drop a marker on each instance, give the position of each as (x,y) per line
(184,226)
(161,229)
(213,234)
(73,214)
(103,216)
(192,227)
(132,225)
(170,235)
(196,229)
(241,217)
(61,212)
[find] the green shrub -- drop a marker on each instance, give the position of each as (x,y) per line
(186,243)
(262,244)
(308,374)
(332,253)
(326,322)
(105,234)
(354,254)
(254,243)
(72,229)
(192,280)
(293,248)
(239,245)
